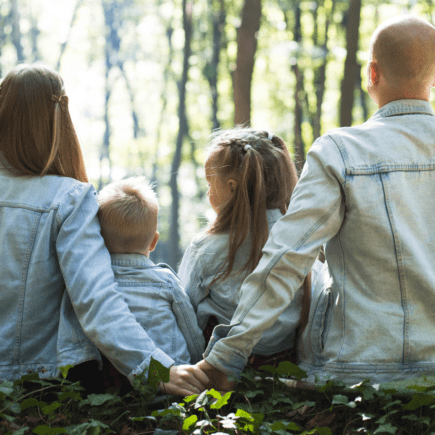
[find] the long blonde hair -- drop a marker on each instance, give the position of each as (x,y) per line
(37,136)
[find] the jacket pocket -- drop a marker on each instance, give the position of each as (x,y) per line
(321,321)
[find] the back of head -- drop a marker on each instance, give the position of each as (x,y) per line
(128,215)
(37,136)
(404,48)
(266,177)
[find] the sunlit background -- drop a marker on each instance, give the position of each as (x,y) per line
(122,63)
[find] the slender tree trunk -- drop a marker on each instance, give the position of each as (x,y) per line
(299,89)
(320,76)
(350,66)
(16,32)
(246,47)
(174,234)
(64,44)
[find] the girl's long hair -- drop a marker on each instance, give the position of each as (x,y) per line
(266,177)
(37,136)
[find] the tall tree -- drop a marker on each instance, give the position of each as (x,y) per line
(246,48)
(174,234)
(351,65)
(16,31)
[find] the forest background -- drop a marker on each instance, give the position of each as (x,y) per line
(149,80)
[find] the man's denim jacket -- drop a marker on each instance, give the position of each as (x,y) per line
(203,260)
(56,281)
(155,296)
(368,192)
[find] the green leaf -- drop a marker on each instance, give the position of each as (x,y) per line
(418,400)
(64,370)
(214,393)
(278,425)
(189,422)
(7,391)
(49,409)
(222,401)
(293,426)
(413,417)
(323,430)
(340,399)
(386,428)
(28,403)
(45,430)
(29,378)
(268,368)
(15,407)
(249,422)
(157,373)
(21,431)
(286,368)
(98,399)
(301,404)
(191,398)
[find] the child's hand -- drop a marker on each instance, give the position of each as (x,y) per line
(219,380)
(185,380)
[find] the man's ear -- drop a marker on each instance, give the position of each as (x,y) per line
(232,184)
(374,74)
(154,242)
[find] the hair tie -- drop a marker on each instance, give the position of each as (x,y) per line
(269,135)
(62,99)
(246,148)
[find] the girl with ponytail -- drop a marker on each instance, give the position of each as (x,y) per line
(251,178)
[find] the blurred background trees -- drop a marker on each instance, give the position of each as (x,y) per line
(148,81)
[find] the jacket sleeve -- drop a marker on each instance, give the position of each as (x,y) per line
(190,275)
(187,323)
(315,215)
(86,268)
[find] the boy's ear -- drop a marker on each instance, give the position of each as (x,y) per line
(154,242)
(232,184)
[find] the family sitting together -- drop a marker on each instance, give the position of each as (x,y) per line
(77,287)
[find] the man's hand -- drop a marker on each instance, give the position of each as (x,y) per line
(185,380)
(219,380)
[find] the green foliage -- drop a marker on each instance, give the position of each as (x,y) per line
(261,404)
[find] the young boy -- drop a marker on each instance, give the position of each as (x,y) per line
(128,217)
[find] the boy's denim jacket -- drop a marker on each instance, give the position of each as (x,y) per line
(368,192)
(203,259)
(155,296)
(56,281)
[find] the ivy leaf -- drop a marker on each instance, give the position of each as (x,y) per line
(64,370)
(286,368)
(388,428)
(413,417)
(98,399)
(49,409)
(418,400)
(191,398)
(21,431)
(222,401)
(28,403)
(189,423)
(249,422)
(157,373)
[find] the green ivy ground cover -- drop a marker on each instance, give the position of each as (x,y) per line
(261,404)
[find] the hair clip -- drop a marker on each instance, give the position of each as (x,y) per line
(246,148)
(269,135)
(61,99)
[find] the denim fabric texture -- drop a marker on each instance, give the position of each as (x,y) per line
(368,193)
(59,300)
(203,259)
(158,301)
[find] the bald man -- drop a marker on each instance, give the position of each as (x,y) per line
(368,194)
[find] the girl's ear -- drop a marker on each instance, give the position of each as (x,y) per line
(154,242)
(232,184)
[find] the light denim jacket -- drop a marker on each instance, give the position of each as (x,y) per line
(155,296)
(368,192)
(203,259)
(50,238)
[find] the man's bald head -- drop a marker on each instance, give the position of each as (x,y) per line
(404,49)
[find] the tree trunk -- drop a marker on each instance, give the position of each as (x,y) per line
(246,47)
(350,66)
(174,234)
(299,146)
(16,32)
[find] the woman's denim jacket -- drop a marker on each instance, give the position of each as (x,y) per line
(56,281)
(368,192)
(154,294)
(203,260)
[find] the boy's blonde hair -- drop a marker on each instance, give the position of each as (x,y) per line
(128,215)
